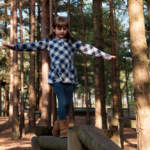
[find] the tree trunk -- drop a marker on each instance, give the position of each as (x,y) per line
(13,110)
(127,91)
(5,22)
(69,13)
(51,14)
(32,95)
(0,101)
(100,108)
(22,105)
(6,100)
(114,66)
(56,7)
(45,87)
(140,72)
(148,4)
(38,59)
(71,109)
(85,67)
(53,95)
(115,82)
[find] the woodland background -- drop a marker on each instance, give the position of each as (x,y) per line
(103,85)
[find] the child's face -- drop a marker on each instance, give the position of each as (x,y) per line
(60,31)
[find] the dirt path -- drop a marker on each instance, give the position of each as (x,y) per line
(130,142)
(6,143)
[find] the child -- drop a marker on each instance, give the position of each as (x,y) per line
(62,75)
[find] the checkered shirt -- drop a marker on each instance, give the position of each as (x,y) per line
(61,54)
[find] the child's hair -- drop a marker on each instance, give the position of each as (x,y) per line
(60,21)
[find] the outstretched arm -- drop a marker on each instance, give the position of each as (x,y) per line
(10,46)
(111,57)
(40,45)
(91,50)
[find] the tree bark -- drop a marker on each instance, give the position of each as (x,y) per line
(85,67)
(53,95)
(140,72)
(69,13)
(13,110)
(127,90)
(56,7)
(0,101)
(6,100)
(38,59)
(100,108)
(22,105)
(45,87)
(32,95)
(148,4)
(71,109)
(116,94)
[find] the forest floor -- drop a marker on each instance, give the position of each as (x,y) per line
(6,143)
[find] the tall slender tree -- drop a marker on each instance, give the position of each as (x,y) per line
(38,57)
(114,64)
(116,97)
(6,88)
(148,4)
(53,95)
(69,13)
(13,110)
(140,72)
(0,101)
(6,100)
(100,108)
(32,95)
(71,110)
(22,125)
(55,7)
(85,66)
(45,87)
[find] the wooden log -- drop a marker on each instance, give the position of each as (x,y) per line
(73,141)
(35,143)
(49,143)
(129,122)
(93,139)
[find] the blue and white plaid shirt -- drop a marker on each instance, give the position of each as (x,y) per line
(61,54)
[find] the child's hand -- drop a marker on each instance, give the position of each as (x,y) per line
(111,57)
(10,46)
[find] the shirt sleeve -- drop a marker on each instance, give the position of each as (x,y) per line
(32,46)
(90,50)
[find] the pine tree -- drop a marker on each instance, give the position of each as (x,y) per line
(32,94)
(140,72)
(13,109)
(100,111)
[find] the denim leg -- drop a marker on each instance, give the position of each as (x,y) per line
(59,90)
(64,96)
(69,95)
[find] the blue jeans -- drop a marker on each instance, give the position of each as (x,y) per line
(64,93)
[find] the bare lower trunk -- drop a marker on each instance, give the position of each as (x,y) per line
(140,72)
(45,87)
(32,95)
(13,75)
(99,78)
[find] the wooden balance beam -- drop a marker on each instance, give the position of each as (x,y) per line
(79,138)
